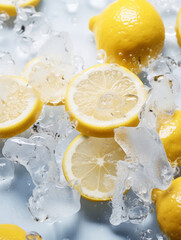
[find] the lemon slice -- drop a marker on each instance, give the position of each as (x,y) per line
(178,28)
(89,165)
(8,6)
(105,97)
(19,106)
(49,77)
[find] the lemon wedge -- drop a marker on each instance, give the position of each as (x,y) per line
(11,232)
(178,28)
(8,6)
(19,106)
(89,165)
(103,98)
(49,77)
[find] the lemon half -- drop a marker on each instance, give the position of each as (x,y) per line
(19,106)
(89,165)
(105,97)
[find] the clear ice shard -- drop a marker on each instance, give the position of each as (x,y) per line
(41,154)
(59,201)
(160,104)
(32,29)
(145,168)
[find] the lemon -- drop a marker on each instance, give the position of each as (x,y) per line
(104,97)
(89,165)
(178,28)
(11,232)
(8,6)
(170,134)
(168,209)
(49,78)
(130,31)
(19,106)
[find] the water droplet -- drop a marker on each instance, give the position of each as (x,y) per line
(71,5)
(33,236)
(101,56)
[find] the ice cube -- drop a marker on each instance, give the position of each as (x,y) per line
(54,203)
(36,155)
(144,147)
(60,45)
(32,29)
(160,104)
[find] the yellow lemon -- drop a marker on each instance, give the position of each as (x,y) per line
(130,31)
(168,209)
(11,232)
(170,134)
(178,28)
(89,165)
(103,98)
(9,8)
(19,106)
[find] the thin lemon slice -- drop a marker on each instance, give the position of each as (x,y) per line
(19,106)
(11,232)
(178,28)
(49,77)
(89,165)
(105,97)
(8,6)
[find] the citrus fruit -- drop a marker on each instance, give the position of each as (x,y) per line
(49,78)
(104,97)
(178,28)
(168,209)
(8,7)
(170,134)
(11,232)
(89,165)
(19,106)
(130,31)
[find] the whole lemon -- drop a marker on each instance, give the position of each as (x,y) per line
(170,134)
(168,209)
(130,31)
(11,232)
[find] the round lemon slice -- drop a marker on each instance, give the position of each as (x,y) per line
(19,106)
(49,77)
(178,28)
(89,165)
(8,6)
(104,97)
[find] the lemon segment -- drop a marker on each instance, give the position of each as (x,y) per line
(11,232)
(8,7)
(49,77)
(19,106)
(104,97)
(131,32)
(89,165)
(178,28)
(168,209)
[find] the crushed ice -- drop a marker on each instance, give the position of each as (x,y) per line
(146,165)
